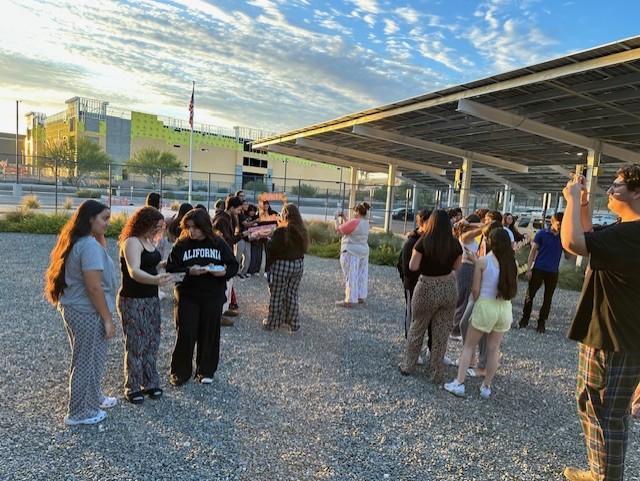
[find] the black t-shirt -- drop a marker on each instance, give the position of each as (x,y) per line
(187,252)
(607,316)
(437,266)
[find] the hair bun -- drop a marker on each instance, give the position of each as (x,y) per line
(366,205)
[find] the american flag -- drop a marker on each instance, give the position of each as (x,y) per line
(191,107)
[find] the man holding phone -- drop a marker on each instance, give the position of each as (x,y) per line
(606,323)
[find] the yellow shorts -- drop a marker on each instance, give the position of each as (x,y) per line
(490,315)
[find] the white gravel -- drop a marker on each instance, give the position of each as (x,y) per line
(325,403)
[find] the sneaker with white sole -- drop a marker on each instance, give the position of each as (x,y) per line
(485,391)
(206,380)
(99,417)
(455,388)
(420,361)
(108,402)
(448,361)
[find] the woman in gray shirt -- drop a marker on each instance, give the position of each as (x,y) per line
(81,281)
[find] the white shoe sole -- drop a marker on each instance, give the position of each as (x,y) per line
(94,420)
(108,402)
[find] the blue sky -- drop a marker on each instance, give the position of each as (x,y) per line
(279,64)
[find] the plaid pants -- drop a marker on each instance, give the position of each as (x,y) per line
(284,281)
(606,384)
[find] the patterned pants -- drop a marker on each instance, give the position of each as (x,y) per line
(606,384)
(141,329)
(88,355)
(356,276)
(433,304)
(284,281)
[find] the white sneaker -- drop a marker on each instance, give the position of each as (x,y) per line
(420,361)
(485,391)
(448,361)
(206,380)
(99,417)
(455,388)
(108,402)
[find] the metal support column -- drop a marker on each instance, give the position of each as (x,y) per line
(467,164)
(391,182)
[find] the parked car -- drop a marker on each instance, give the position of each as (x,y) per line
(531,223)
(604,219)
(399,214)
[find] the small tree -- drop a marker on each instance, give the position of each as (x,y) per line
(79,161)
(304,190)
(150,162)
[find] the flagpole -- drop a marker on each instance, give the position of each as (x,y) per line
(191,105)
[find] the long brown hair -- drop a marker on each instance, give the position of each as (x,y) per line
(78,226)
(438,240)
(500,244)
(140,223)
(293,223)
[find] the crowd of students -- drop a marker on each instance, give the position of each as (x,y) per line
(459,277)
(200,256)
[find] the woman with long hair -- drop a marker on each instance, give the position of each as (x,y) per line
(494,285)
(173,229)
(435,256)
(139,304)
(509,224)
(207,262)
(285,264)
(81,280)
(354,254)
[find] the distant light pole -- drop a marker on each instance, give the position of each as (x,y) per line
(17,148)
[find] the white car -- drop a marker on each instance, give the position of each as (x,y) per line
(604,219)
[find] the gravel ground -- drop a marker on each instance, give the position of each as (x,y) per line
(326,402)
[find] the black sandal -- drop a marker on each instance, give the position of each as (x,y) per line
(153,393)
(135,397)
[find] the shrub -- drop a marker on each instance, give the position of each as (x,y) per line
(254,186)
(331,250)
(304,190)
(30,202)
(321,232)
(116,223)
(17,215)
(33,223)
(379,239)
(88,194)
(198,198)
(168,194)
(68,204)
(385,255)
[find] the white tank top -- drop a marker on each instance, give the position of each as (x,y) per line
(490,277)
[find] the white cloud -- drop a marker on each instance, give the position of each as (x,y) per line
(408,14)
(508,37)
(369,6)
(390,27)
(369,20)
